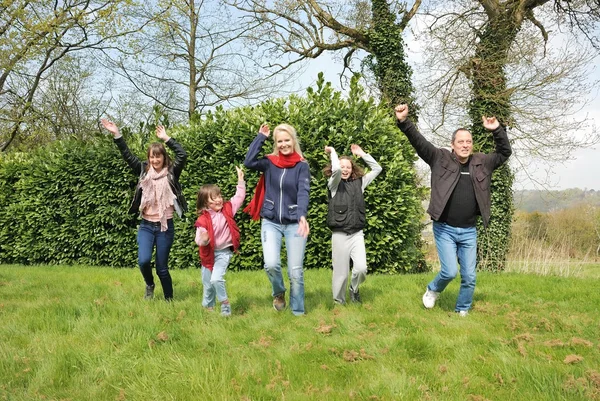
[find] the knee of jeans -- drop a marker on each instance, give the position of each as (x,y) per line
(296,273)
(216,282)
(450,275)
(144,262)
(162,272)
(469,279)
(271,266)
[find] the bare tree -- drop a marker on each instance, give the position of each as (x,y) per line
(34,35)
(491,58)
(191,56)
(305,29)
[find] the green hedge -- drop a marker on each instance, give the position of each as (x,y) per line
(67,203)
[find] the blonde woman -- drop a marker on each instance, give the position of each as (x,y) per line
(281,199)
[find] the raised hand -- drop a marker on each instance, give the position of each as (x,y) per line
(356,150)
(110,127)
(240,173)
(161,133)
(401,112)
(490,123)
(264,129)
(329,149)
(303,228)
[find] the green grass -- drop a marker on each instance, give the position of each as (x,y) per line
(84,333)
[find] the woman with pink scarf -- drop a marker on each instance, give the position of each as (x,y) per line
(157,197)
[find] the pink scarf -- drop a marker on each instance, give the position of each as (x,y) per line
(156,191)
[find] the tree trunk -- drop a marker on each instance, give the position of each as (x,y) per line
(491,98)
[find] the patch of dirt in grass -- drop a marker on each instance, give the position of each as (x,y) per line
(263,341)
(325,328)
(524,337)
(354,356)
(473,397)
(162,336)
(572,359)
(544,324)
(581,341)
(554,343)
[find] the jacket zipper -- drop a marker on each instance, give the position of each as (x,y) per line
(281,195)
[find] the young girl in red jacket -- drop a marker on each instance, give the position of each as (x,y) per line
(218,236)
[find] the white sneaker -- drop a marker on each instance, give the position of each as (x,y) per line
(429,298)
(463,313)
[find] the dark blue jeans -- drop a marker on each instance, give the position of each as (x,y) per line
(148,236)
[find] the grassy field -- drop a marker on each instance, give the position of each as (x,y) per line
(84,333)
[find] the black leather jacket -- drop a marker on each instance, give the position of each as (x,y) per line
(445,169)
(139,168)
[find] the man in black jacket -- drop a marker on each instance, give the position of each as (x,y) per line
(460,190)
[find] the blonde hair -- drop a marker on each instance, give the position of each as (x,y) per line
(291,131)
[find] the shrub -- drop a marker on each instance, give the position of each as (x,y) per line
(68,202)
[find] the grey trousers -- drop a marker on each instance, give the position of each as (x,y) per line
(343,248)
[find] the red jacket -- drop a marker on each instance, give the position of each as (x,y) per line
(207,252)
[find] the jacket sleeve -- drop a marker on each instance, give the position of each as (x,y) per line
(503,149)
(336,174)
(425,149)
(180,156)
(132,161)
(252,161)
(303,190)
(371,175)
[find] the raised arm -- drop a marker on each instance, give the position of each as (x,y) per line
(503,149)
(336,171)
(132,161)
(425,149)
(240,191)
(373,165)
(252,161)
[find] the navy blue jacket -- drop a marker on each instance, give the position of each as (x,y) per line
(286,189)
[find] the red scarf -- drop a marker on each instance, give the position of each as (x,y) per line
(281,161)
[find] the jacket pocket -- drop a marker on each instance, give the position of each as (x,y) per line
(341,212)
(293,212)
(483,179)
(268,209)
(445,170)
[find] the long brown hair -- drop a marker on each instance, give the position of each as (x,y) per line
(205,194)
(357,171)
(158,148)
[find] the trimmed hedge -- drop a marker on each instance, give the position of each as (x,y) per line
(67,203)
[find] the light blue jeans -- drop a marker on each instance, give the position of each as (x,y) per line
(271,235)
(214,282)
(452,243)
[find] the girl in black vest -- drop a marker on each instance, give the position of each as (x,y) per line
(346,219)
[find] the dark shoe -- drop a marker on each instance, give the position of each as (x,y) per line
(149,294)
(355,296)
(279,302)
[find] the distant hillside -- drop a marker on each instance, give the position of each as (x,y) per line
(545,201)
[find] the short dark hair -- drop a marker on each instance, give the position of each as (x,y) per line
(456,131)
